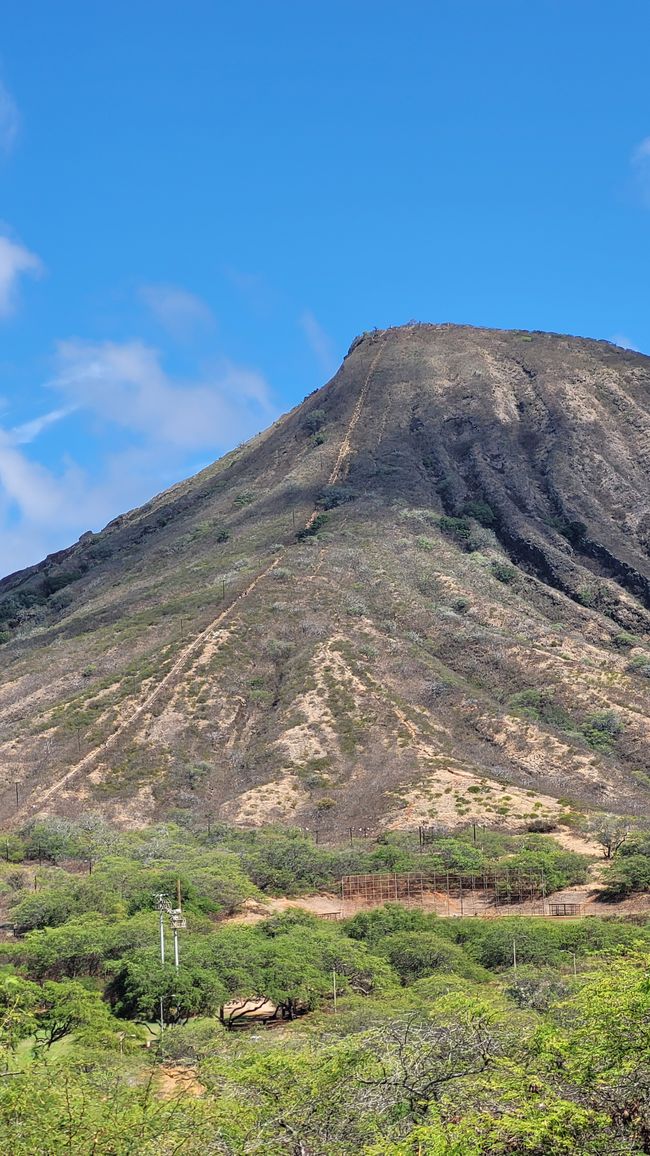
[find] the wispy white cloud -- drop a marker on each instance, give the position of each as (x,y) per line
(319,342)
(28,484)
(165,423)
(9,119)
(43,509)
(15,262)
(180,312)
(641,169)
(623,341)
(126,385)
(28,432)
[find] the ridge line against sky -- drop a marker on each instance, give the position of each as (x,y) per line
(200,214)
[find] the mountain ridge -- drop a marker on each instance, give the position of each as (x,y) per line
(439,463)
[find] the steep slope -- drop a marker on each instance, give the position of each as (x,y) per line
(424,593)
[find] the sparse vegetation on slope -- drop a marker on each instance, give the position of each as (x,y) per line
(434,614)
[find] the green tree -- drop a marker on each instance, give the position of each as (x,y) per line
(19,1001)
(414,954)
(141,982)
(611,831)
(67,1008)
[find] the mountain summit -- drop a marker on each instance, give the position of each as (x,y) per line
(421,596)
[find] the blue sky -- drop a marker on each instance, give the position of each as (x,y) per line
(202,203)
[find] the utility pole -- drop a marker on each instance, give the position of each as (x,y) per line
(178,923)
(162,907)
(334,981)
(162,899)
(514,955)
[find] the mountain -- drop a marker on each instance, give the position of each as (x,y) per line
(421,596)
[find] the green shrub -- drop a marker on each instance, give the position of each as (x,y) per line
(624,641)
(602,729)
(628,875)
(332,496)
(48,908)
(374,926)
(312,529)
(416,954)
(586,596)
(541,826)
(482,512)
(540,706)
(458,528)
(503,572)
(313,421)
(571,528)
(54,582)
(288,862)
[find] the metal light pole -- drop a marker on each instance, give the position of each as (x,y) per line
(176,919)
(163,906)
(178,922)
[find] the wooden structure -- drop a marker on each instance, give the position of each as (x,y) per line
(383,887)
(471,892)
(564,905)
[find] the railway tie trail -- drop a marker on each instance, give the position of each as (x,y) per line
(171,679)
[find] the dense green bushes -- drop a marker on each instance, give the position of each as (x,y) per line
(630,869)
(545,1064)
(438,1043)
